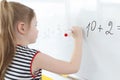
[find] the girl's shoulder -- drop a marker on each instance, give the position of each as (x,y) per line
(26,50)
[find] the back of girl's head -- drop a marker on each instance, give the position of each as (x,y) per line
(11,13)
(22,13)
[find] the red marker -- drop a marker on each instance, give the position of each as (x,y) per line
(65,34)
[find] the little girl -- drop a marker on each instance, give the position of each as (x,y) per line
(17,61)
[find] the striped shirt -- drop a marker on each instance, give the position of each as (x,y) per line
(20,68)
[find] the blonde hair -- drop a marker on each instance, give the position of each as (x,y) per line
(10,14)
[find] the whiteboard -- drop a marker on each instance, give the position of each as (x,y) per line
(101,26)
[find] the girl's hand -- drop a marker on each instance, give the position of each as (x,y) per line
(76,33)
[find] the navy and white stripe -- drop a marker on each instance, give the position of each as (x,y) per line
(20,68)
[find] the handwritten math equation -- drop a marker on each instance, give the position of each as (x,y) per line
(92,26)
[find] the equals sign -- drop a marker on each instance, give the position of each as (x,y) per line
(118,27)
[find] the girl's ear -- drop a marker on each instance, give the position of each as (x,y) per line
(21,28)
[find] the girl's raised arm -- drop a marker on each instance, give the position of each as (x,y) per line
(49,63)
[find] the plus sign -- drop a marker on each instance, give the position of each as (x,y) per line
(100,28)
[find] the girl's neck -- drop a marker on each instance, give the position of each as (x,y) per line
(22,42)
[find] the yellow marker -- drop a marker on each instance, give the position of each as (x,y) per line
(46,78)
(64,75)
